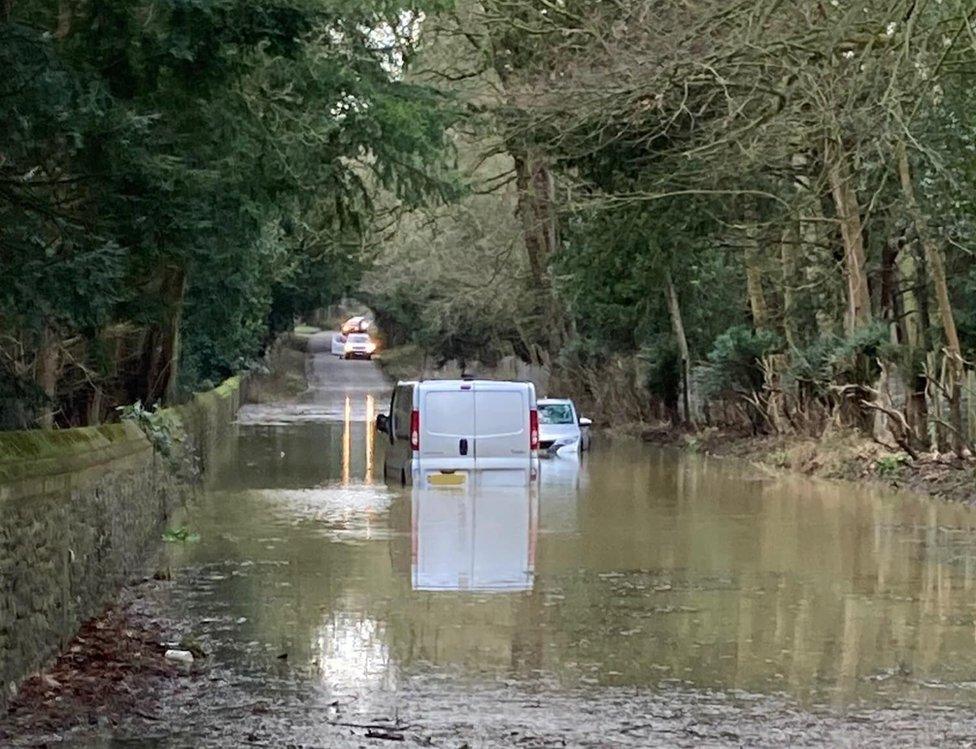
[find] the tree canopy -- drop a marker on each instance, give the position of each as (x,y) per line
(752,208)
(724,188)
(178,178)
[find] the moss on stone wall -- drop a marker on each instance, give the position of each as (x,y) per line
(35,455)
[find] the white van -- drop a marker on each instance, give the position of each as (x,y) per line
(462,433)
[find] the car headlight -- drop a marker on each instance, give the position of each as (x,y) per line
(371,347)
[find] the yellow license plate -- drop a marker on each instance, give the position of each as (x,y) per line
(446,479)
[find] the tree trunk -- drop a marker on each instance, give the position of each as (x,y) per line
(536,207)
(849,215)
(757,299)
(818,268)
(163,347)
(95,407)
(905,315)
(149,393)
(533,183)
(674,309)
(926,363)
(174,336)
(46,373)
(889,289)
(787,250)
(915,316)
(65,17)
(936,269)
(907,299)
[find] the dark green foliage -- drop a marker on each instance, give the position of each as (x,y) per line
(849,359)
(195,164)
(734,365)
(967,308)
(611,276)
(663,370)
(60,265)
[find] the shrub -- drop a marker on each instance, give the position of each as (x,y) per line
(888,466)
(849,359)
(159,426)
(734,363)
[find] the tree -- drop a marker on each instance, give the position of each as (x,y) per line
(173,172)
(784,124)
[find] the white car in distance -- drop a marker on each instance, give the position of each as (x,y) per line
(358,346)
(561,428)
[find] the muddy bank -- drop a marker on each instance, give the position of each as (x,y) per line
(843,454)
(114,669)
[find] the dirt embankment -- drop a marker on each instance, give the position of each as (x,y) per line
(842,454)
(282,374)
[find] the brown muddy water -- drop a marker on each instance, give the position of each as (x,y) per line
(638,597)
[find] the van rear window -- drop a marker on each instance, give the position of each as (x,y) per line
(500,412)
(448,413)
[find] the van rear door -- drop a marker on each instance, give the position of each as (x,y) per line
(447,428)
(502,451)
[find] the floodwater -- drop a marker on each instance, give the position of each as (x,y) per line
(636,597)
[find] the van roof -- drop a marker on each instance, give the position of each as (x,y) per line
(459,383)
(513,383)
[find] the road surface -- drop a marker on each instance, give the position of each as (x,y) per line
(331,380)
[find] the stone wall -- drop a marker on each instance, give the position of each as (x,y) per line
(81,511)
(208,420)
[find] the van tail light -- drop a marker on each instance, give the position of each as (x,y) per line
(533,429)
(415,429)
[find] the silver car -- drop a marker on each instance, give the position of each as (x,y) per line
(561,428)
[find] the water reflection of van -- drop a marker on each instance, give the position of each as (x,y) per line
(474,541)
(461,433)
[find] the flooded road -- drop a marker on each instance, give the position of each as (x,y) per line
(639,597)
